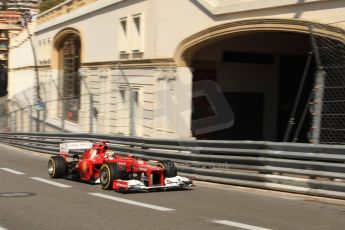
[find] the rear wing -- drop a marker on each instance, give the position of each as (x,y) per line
(66,146)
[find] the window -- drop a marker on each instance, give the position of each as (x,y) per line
(123,36)
(44,51)
(48,50)
(123,95)
(136,98)
(70,82)
(137,33)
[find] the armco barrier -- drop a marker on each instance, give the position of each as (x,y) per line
(317,170)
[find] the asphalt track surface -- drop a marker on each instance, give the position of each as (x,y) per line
(29,199)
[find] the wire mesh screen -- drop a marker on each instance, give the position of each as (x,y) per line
(331,55)
(93,108)
(4,118)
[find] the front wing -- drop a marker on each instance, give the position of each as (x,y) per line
(177,182)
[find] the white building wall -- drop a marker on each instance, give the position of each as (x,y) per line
(100,30)
(164,107)
(193,17)
(166,23)
(21,62)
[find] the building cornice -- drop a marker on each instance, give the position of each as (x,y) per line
(219,7)
(129,64)
(29,68)
(82,11)
(145,63)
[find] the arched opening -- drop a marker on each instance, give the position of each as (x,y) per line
(259,70)
(70,82)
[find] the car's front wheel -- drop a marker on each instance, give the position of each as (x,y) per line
(108,173)
(169,167)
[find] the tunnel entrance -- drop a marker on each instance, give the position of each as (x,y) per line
(259,74)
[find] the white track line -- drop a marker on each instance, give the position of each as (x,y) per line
(12,171)
(2,228)
(239,225)
(159,208)
(50,182)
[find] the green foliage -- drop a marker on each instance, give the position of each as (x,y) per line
(48,4)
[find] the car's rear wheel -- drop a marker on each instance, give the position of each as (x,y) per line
(57,167)
(169,167)
(108,173)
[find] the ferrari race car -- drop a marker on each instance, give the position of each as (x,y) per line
(99,164)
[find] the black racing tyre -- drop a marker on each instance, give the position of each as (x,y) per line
(169,168)
(57,167)
(108,173)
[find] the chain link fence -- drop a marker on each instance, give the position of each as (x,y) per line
(88,113)
(330,89)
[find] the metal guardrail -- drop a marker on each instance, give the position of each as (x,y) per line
(317,170)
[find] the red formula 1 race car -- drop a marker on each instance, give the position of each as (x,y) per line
(99,164)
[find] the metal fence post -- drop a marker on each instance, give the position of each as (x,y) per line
(318,92)
(15,121)
(317,109)
(132,112)
(38,121)
(22,120)
(30,119)
(63,115)
(10,121)
(44,119)
(91,113)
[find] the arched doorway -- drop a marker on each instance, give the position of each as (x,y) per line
(259,66)
(70,82)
